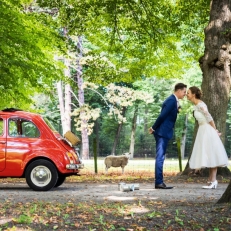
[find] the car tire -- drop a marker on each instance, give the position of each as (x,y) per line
(60,180)
(41,175)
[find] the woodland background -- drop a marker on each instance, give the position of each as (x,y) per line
(102,69)
(64,60)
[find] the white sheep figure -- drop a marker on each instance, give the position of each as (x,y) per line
(116,161)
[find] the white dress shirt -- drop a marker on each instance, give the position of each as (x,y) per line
(177,100)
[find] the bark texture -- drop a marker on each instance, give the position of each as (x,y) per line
(119,128)
(84,135)
(183,138)
(65,102)
(96,131)
(146,122)
(215,65)
(226,197)
(132,143)
(188,170)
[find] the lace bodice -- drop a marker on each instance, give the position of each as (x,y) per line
(201,113)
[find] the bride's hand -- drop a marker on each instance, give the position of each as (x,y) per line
(219,134)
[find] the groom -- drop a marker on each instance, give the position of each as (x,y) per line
(162,130)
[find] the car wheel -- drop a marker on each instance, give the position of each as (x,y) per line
(41,175)
(60,180)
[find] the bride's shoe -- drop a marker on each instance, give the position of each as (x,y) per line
(212,185)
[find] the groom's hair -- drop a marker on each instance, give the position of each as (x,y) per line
(180,86)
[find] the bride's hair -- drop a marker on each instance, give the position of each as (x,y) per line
(196,91)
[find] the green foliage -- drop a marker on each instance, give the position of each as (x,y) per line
(145,17)
(123,41)
(47,106)
(133,61)
(137,39)
(28,46)
(24,219)
(128,40)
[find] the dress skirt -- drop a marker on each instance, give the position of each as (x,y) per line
(208,150)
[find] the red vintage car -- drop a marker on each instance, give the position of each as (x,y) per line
(31,148)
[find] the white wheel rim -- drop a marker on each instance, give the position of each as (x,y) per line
(41,176)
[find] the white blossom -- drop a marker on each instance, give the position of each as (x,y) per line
(117,96)
(84,116)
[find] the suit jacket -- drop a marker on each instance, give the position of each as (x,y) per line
(165,122)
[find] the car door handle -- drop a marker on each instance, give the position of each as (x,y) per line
(2,142)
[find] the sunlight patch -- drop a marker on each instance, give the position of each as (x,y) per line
(138,210)
(148,189)
(153,198)
(102,185)
(115,198)
(5,220)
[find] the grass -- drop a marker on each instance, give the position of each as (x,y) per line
(137,169)
(134,165)
(137,216)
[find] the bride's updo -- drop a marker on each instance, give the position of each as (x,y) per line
(196,91)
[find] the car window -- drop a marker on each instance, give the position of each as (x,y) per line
(49,123)
(19,127)
(1,126)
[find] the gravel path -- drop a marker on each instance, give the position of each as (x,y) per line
(100,192)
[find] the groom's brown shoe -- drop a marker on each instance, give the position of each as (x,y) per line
(162,186)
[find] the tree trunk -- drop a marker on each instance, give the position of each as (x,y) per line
(84,135)
(96,131)
(61,102)
(226,197)
(67,113)
(146,122)
(65,103)
(132,143)
(215,65)
(118,133)
(188,170)
(183,140)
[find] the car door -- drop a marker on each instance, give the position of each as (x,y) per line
(2,144)
(21,139)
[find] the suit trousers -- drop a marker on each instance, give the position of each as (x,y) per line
(161,146)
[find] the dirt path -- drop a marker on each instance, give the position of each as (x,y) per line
(100,192)
(100,206)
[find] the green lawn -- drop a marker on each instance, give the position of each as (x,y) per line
(136,165)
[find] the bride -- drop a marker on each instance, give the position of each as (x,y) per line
(208,150)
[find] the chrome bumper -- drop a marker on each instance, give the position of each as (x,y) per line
(74,166)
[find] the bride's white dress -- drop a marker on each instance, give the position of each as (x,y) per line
(208,150)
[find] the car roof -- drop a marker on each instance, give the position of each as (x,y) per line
(17,112)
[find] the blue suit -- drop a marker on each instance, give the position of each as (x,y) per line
(163,132)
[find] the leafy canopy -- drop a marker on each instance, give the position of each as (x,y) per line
(28,45)
(139,38)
